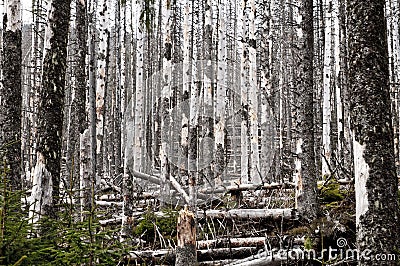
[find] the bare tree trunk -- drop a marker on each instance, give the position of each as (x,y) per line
(101,26)
(305,174)
(220,106)
(186,234)
(265,83)
(140,94)
(253,102)
(46,180)
(242,54)
(11,95)
(376,183)
(165,100)
(82,155)
(327,82)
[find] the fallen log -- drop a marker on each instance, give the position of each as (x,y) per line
(286,214)
(231,242)
(273,258)
(244,242)
(110,221)
(265,186)
(215,262)
(156,180)
(169,255)
(109,203)
(245,187)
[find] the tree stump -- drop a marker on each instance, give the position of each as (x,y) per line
(186,233)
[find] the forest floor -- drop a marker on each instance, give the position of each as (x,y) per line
(254,240)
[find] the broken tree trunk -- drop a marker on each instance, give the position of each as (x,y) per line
(186,234)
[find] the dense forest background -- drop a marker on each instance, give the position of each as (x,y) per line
(140,131)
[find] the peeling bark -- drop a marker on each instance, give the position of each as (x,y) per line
(371,122)
(51,105)
(186,234)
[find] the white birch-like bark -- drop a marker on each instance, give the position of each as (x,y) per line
(327,81)
(242,50)
(338,78)
(208,77)
(139,93)
(186,79)
(392,17)
(396,72)
(101,25)
(40,13)
(42,190)
(266,119)
(91,104)
(219,128)
(165,98)
(41,199)
(361,173)
(255,173)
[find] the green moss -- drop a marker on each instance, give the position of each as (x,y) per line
(330,192)
(308,243)
(166,225)
(301,230)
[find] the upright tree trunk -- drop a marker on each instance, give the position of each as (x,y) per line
(186,234)
(376,182)
(82,154)
(46,179)
(11,95)
(222,77)
(165,100)
(305,174)
(242,56)
(101,25)
(327,82)
(140,92)
(255,173)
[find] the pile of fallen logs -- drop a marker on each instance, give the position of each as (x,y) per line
(228,251)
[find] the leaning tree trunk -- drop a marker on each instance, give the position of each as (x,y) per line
(46,179)
(10,94)
(305,174)
(371,123)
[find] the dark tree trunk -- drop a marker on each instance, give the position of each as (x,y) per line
(306,183)
(371,124)
(10,96)
(51,105)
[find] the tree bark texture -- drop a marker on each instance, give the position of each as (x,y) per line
(371,124)
(10,95)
